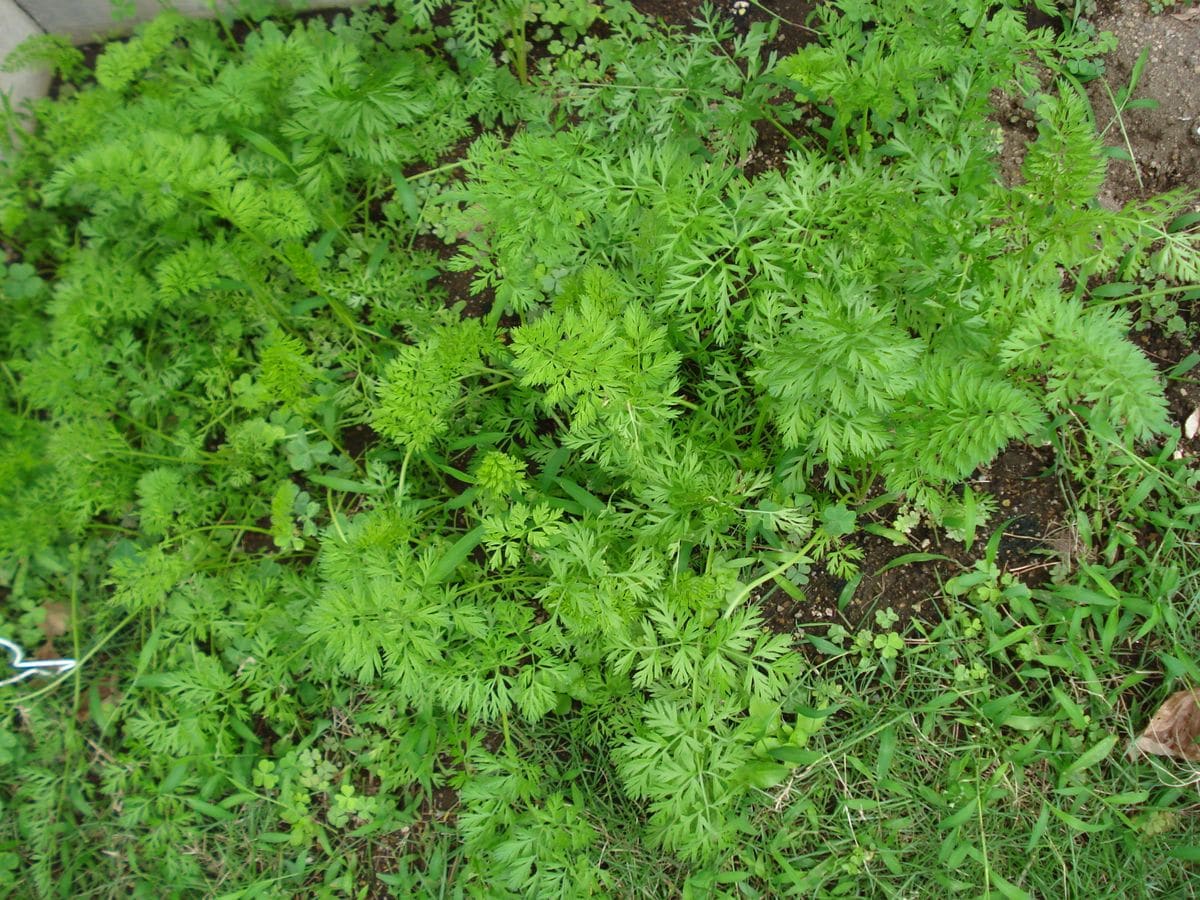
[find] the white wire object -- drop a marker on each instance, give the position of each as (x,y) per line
(23,668)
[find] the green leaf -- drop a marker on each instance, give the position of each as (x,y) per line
(406,195)
(883,531)
(961,584)
(887,749)
(963,814)
(733,877)
(1127,798)
(345,484)
(790,589)
(584,498)
(174,778)
(907,559)
(796,756)
(837,520)
(810,712)
(1139,66)
(1116,289)
(1183,223)
(1091,757)
(1007,888)
(1185,365)
(263,145)
(209,809)
(1077,823)
(456,555)
(762,774)
(1085,596)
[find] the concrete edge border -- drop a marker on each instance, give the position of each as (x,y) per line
(87,20)
(15,26)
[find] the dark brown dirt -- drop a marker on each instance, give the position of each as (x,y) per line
(456,285)
(1163,141)
(1018,129)
(794,17)
(1034,539)
(1168,350)
(358,439)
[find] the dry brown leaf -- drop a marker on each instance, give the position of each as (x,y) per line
(1192,425)
(1174,729)
(103,698)
(57,621)
(1187,15)
(45,651)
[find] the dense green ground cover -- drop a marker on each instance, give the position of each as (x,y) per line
(380,591)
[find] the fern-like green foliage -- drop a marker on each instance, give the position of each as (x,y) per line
(363,111)
(953,423)
(610,369)
(680,647)
(423,384)
(123,62)
(1086,358)
(1064,165)
(30,519)
(408,431)
(837,373)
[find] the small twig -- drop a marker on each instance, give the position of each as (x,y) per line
(772,12)
(1031,567)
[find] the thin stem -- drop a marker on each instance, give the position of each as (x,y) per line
(445,167)
(628,87)
(333,516)
(403,472)
(1120,120)
(782,129)
(220,526)
(141,454)
(1144,295)
(143,426)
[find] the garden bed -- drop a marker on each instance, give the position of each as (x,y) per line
(511,449)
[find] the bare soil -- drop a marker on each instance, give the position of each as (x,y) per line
(1035,538)
(1163,141)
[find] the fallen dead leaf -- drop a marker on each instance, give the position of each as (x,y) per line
(1187,15)
(1174,728)
(1192,425)
(102,699)
(45,651)
(57,620)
